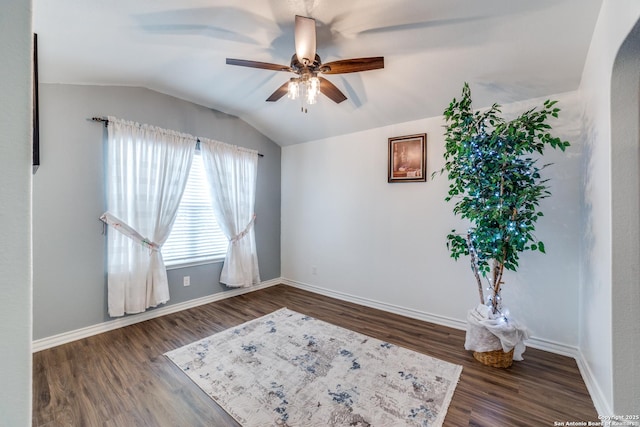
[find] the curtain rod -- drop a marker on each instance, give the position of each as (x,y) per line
(106,123)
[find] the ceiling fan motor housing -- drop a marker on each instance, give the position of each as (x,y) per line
(301,69)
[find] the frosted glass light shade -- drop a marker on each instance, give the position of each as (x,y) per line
(305,38)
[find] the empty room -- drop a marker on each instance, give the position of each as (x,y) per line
(320,213)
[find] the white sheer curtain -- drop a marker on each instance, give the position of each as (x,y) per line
(232,172)
(147,170)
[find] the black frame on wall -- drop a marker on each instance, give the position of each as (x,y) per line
(36,109)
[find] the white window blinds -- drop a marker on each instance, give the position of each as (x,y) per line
(196,235)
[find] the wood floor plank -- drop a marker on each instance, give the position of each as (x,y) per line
(121,378)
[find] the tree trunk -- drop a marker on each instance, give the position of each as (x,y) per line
(474,267)
(496,273)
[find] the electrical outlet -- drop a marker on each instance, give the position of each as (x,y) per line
(314,270)
(186,280)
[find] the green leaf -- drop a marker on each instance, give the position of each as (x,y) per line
(495,181)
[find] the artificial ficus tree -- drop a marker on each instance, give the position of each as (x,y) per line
(495,181)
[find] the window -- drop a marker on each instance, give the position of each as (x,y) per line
(196,236)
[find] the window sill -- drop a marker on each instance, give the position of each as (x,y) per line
(188,264)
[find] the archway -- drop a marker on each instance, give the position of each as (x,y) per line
(625,199)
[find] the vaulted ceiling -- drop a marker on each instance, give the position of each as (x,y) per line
(508,50)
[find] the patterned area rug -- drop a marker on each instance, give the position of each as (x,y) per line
(288,369)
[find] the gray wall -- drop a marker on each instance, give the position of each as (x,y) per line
(69,290)
(625,191)
(15,213)
(610,195)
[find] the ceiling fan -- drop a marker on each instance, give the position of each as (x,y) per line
(306,63)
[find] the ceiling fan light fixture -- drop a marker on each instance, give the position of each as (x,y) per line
(293,89)
(307,65)
(313,90)
(305,87)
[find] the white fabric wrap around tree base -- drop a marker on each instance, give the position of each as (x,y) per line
(488,332)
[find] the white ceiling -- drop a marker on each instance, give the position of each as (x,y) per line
(508,50)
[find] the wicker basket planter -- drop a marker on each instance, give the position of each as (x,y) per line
(496,358)
(488,336)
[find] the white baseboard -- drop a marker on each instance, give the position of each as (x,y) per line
(597,396)
(541,344)
(553,347)
(391,308)
(599,400)
(66,337)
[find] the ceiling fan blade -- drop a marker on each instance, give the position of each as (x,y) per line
(305,39)
(331,91)
(256,64)
(353,65)
(279,93)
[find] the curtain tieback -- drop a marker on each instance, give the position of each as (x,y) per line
(244,232)
(126,229)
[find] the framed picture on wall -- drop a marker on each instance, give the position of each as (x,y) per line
(408,158)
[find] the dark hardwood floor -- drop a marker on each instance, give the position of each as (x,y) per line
(121,378)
